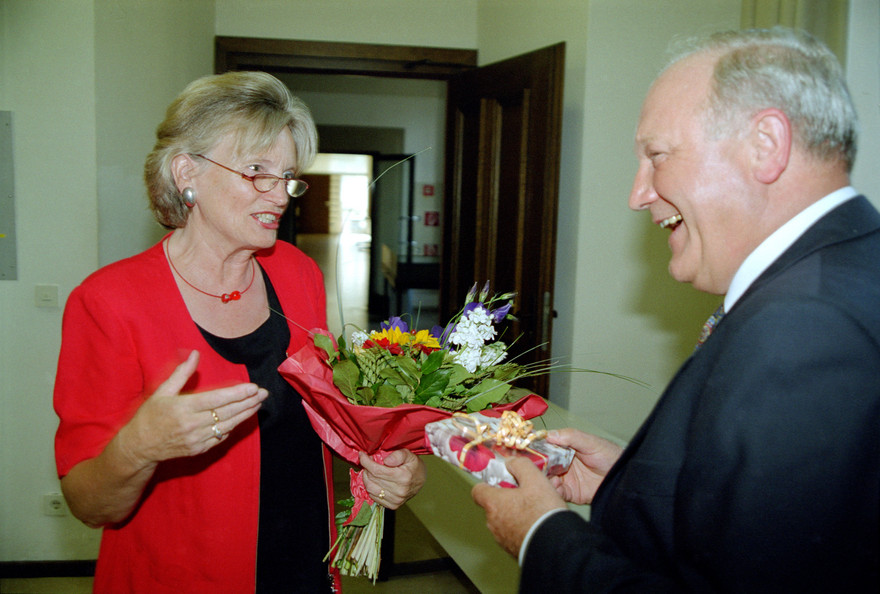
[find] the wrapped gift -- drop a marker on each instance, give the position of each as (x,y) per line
(481,444)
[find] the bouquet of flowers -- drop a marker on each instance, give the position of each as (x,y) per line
(378,394)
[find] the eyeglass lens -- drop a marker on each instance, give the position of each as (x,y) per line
(294,187)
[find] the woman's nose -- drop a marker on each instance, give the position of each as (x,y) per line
(278,195)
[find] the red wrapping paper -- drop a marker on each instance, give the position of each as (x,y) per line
(350,428)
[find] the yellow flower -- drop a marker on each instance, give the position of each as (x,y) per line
(422,339)
(425,338)
(393,335)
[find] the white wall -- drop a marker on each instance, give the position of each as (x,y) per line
(630,317)
(446,23)
(146,53)
(863,77)
(87,81)
(47,73)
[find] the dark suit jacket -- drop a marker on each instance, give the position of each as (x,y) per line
(759,468)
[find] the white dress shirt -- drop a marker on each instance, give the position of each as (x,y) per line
(780,240)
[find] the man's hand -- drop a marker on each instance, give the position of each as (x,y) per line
(593,458)
(511,512)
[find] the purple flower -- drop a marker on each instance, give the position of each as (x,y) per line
(442,334)
(394,322)
(471,307)
(501,313)
(497,315)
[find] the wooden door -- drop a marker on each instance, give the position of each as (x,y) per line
(502,176)
(313,207)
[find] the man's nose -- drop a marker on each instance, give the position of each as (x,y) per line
(642,194)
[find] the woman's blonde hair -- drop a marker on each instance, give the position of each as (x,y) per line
(253,107)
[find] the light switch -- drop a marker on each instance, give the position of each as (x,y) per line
(46,295)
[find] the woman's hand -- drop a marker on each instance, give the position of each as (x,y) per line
(397,479)
(105,489)
(173,425)
(593,458)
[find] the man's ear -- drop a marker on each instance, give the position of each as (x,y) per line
(771,141)
(182,168)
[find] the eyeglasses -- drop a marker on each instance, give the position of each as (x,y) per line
(265,182)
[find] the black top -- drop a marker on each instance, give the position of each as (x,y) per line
(293,530)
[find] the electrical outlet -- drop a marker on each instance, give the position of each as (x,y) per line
(54,504)
(46,296)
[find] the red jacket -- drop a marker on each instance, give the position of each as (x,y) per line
(125,329)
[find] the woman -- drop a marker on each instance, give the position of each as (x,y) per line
(177,433)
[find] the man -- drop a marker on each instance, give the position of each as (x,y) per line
(759,468)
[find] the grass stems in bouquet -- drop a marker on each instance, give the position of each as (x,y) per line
(358,546)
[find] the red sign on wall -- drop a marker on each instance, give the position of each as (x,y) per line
(432,218)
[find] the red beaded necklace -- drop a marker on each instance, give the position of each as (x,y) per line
(225,297)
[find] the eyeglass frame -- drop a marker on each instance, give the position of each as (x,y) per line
(253,178)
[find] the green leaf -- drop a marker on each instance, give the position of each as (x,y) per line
(433,362)
(432,385)
(434,401)
(506,371)
(388,397)
(489,391)
(459,374)
(363,517)
(346,377)
(365,395)
(410,369)
(393,376)
(407,394)
(325,343)
(404,372)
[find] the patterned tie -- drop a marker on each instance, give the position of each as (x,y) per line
(710,324)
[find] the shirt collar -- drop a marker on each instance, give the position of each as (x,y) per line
(779,241)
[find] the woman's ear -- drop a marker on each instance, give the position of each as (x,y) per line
(771,140)
(182,168)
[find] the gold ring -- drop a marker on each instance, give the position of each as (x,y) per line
(216,431)
(214,414)
(382,494)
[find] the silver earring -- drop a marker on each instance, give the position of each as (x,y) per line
(189,197)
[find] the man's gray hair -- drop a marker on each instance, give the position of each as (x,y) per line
(788,70)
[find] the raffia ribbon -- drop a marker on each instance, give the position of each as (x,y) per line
(513,432)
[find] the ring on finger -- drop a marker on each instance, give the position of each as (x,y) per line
(217,433)
(382,494)
(214,414)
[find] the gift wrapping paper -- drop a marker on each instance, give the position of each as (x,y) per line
(485,459)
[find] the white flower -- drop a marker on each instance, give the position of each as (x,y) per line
(358,338)
(469,358)
(474,329)
(493,354)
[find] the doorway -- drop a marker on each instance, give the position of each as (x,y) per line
(501,176)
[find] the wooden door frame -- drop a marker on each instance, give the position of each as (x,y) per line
(327,57)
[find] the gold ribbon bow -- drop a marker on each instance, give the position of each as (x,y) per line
(513,432)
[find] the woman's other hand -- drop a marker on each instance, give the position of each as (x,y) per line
(397,479)
(105,489)
(172,425)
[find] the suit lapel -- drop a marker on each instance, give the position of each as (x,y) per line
(851,219)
